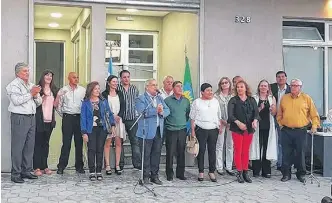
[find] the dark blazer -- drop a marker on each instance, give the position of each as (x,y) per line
(274,90)
(244,112)
(122,102)
(40,125)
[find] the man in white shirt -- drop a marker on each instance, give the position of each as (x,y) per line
(167,90)
(69,107)
(24,98)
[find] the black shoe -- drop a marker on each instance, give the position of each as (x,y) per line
(239,177)
(181,177)
(156,181)
(266,175)
(29,176)
(118,170)
(59,171)
(92,176)
(80,170)
(146,181)
(246,177)
(99,176)
(255,175)
(301,178)
(17,179)
(221,172)
(231,173)
(212,178)
(285,178)
(169,178)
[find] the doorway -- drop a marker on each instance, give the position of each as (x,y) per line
(50,55)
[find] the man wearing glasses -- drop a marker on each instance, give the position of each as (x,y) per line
(297,111)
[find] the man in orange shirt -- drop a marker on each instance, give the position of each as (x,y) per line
(296,113)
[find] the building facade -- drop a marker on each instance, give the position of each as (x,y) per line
(234,37)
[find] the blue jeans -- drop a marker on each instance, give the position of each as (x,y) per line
(279,163)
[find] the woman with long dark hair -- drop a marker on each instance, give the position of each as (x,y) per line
(264,143)
(96,122)
(242,117)
(45,122)
(116,103)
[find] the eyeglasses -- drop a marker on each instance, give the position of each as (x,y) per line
(224,83)
(295,85)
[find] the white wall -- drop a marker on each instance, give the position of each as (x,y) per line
(252,50)
(14,46)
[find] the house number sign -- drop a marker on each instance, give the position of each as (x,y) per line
(242,19)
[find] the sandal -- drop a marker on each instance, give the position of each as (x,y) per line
(48,171)
(200,176)
(99,176)
(92,176)
(212,177)
(118,170)
(38,172)
(108,170)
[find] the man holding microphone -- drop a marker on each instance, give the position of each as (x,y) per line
(150,130)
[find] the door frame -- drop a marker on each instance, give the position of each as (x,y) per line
(197,9)
(64,57)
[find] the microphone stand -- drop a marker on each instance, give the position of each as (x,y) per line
(311,176)
(140,180)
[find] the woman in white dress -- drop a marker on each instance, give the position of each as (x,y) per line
(116,101)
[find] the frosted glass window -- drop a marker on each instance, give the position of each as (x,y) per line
(306,64)
(330,78)
(301,33)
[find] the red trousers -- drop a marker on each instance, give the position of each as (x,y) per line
(241,150)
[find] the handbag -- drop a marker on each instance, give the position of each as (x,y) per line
(192,145)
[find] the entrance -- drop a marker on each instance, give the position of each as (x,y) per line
(50,55)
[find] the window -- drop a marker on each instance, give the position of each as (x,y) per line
(76,56)
(307,55)
(133,51)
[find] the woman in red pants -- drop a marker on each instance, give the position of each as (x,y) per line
(242,116)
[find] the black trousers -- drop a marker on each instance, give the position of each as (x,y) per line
(293,140)
(96,149)
(152,152)
(71,126)
(135,149)
(210,138)
(262,164)
(42,146)
(175,145)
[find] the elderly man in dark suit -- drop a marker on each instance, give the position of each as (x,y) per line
(279,89)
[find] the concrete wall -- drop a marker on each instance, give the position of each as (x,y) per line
(59,35)
(252,50)
(179,30)
(14,46)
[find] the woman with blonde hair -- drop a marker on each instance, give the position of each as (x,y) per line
(264,145)
(223,95)
(242,117)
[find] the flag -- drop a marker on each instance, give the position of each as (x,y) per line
(110,66)
(187,86)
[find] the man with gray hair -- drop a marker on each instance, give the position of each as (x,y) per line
(167,90)
(24,98)
(150,130)
(296,113)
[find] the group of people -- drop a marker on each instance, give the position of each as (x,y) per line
(269,125)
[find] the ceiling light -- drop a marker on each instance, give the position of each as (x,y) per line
(131,10)
(56,15)
(53,25)
(124,18)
